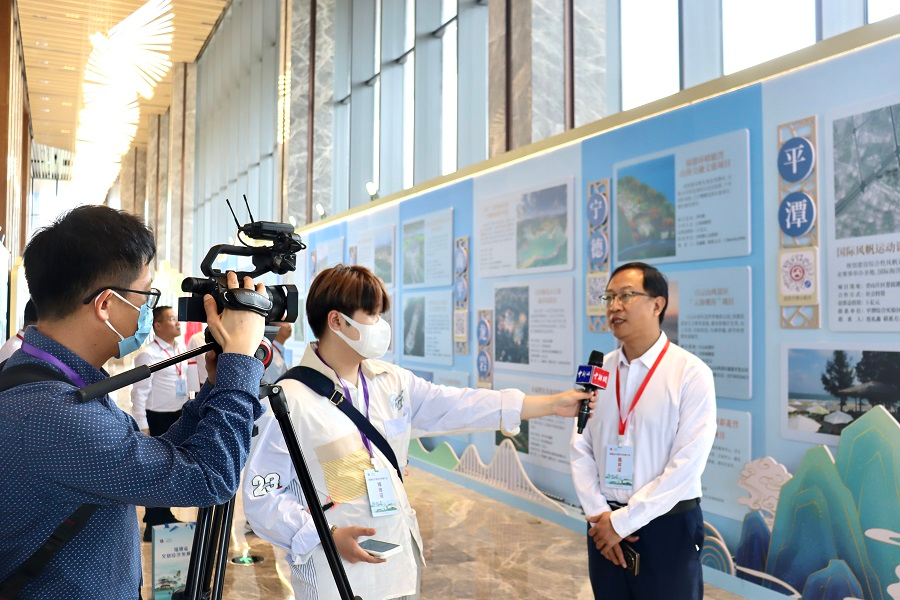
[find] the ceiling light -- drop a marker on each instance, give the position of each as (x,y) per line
(41,44)
(67,104)
(126,62)
(44,81)
(73,16)
(45,97)
(68,68)
(45,110)
(64,131)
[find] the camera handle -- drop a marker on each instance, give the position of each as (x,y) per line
(111,384)
(211,536)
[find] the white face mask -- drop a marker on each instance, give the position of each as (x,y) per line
(373,341)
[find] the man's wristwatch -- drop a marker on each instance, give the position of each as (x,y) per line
(333,529)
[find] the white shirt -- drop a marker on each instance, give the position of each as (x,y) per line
(157,392)
(196,366)
(278,366)
(11,345)
(401,406)
(672,430)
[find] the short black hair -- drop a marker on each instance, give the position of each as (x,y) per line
(346,289)
(30,314)
(158,311)
(86,248)
(655,283)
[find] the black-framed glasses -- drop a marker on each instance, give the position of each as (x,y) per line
(623,297)
(152,294)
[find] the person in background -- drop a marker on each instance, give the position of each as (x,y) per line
(278,367)
(343,309)
(156,401)
(196,366)
(638,464)
(15,342)
(89,275)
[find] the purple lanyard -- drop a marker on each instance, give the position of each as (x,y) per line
(365,388)
(43,355)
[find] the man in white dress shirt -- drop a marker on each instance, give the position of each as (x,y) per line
(15,342)
(343,308)
(279,366)
(637,466)
(156,401)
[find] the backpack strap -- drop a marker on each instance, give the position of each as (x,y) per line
(31,569)
(324,386)
(21,374)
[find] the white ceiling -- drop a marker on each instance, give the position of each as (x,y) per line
(55,39)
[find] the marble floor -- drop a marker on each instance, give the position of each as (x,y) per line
(476,548)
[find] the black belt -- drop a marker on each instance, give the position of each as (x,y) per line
(680,507)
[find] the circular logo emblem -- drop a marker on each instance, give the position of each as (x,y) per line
(598,208)
(461,260)
(797,214)
(598,247)
(484,332)
(797,273)
(796,160)
(461,291)
(484,364)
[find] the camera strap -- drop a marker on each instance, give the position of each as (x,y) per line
(28,571)
(324,386)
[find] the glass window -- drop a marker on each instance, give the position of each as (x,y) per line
(877,10)
(409,120)
(448,98)
(650,51)
(754,32)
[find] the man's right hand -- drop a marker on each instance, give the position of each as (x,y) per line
(237,331)
(347,541)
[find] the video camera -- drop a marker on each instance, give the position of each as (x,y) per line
(279,257)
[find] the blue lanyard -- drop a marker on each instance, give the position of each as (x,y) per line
(365,388)
(46,356)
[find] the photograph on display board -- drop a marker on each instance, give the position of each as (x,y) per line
(830,388)
(867,173)
(645,209)
(414,326)
(511,325)
(384,254)
(414,252)
(541,228)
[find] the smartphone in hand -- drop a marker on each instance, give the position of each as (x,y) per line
(380,549)
(632,558)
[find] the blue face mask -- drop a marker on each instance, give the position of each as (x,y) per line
(127,345)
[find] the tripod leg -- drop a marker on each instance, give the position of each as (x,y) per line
(227,515)
(280,410)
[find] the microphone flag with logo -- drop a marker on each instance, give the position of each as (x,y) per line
(590,377)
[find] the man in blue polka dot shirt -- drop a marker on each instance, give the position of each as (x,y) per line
(89,276)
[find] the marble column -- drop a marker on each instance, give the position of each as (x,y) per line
(323,121)
(157,183)
(182,129)
(323,98)
(133,181)
(590,61)
(548,107)
(298,141)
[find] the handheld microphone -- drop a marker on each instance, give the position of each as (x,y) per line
(590,377)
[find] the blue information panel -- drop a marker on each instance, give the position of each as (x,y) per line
(687,203)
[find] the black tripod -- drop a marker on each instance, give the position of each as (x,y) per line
(209,554)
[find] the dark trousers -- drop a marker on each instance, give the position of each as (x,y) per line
(159,423)
(669,564)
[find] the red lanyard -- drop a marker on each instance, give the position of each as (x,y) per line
(177,365)
(623,423)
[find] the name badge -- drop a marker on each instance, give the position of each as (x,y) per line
(382,501)
(181,388)
(619,466)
